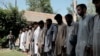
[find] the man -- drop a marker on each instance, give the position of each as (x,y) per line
(34,26)
(49,37)
(22,41)
(70,28)
(83,31)
(35,36)
(19,36)
(41,38)
(61,35)
(11,39)
(28,38)
(96,29)
(25,37)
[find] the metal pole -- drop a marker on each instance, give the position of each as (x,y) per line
(15,3)
(74,10)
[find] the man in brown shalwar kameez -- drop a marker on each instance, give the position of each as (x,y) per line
(61,34)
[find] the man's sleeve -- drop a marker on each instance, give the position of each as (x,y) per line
(90,28)
(54,33)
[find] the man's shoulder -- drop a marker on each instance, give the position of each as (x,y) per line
(92,17)
(53,24)
(95,16)
(64,25)
(89,16)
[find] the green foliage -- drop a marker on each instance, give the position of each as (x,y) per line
(11,19)
(7,52)
(2,40)
(90,7)
(40,6)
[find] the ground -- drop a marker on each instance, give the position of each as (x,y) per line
(7,52)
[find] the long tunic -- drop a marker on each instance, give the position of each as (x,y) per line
(60,39)
(29,35)
(41,39)
(32,42)
(96,36)
(35,36)
(68,38)
(19,39)
(22,41)
(49,37)
(83,35)
(73,40)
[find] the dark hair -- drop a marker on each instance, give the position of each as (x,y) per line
(35,23)
(41,22)
(95,1)
(83,6)
(69,16)
(49,20)
(58,16)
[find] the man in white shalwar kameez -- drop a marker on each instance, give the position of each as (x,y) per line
(41,38)
(83,31)
(70,27)
(35,36)
(22,41)
(96,29)
(28,38)
(34,26)
(19,37)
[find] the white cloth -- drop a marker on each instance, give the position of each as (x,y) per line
(19,38)
(68,38)
(35,36)
(22,41)
(25,38)
(96,36)
(83,35)
(29,35)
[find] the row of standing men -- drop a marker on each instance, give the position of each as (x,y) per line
(71,39)
(47,39)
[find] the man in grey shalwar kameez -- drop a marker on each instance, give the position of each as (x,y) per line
(70,49)
(83,31)
(96,29)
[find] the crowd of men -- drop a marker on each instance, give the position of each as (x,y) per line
(80,38)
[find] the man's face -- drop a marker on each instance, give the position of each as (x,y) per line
(80,11)
(26,29)
(59,21)
(97,6)
(68,20)
(48,23)
(10,32)
(20,31)
(41,25)
(36,25)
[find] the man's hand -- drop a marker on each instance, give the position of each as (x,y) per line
(63,49)
(89,50)
(37,44)
(53,43)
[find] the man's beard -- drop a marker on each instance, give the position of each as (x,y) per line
(98,10)
(69,23)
